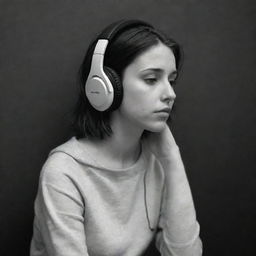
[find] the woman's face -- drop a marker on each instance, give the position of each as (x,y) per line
(148,93)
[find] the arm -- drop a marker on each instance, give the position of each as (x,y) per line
(180,229)
(59,210)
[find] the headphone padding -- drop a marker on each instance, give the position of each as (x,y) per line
(117,87)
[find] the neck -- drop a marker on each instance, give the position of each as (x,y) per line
(124,143)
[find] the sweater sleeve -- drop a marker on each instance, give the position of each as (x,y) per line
(59,216)
(179,229)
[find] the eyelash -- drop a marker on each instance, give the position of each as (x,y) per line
(172,82)
(152,81)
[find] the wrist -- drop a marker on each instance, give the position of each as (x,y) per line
(172,160)
(170,154)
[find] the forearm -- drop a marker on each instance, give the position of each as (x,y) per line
(180,227)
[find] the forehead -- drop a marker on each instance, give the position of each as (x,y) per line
(157,56)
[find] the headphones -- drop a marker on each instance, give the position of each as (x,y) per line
(103,87)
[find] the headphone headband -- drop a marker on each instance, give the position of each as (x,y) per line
(117,27)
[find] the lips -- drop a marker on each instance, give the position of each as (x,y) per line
(164,110)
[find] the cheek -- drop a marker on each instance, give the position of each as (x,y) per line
(135,101)
(135,94)
(130,104)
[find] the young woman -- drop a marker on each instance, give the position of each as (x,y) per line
(120,182)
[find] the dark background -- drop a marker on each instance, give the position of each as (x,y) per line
(42,44)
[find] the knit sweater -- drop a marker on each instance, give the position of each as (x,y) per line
(83,208)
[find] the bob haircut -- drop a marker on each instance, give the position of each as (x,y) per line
(121,51)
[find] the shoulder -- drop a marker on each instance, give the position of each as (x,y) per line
(63,163)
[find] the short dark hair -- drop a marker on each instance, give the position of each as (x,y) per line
(121,51)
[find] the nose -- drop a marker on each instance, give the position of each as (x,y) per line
(168,94)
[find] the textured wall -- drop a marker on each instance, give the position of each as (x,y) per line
(42,44)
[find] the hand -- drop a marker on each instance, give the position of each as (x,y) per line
(162,144)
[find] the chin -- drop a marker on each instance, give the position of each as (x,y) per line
(156,127)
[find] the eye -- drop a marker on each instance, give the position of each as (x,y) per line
(151,80)
(172,82)
(173,79)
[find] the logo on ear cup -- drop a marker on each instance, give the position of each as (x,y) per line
(97,93)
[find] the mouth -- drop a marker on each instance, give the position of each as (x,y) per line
(164,110)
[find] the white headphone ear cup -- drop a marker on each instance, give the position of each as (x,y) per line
(98,94)
(117,87)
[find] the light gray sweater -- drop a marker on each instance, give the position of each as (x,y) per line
(83,208)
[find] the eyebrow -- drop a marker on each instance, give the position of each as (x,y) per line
(159,70)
